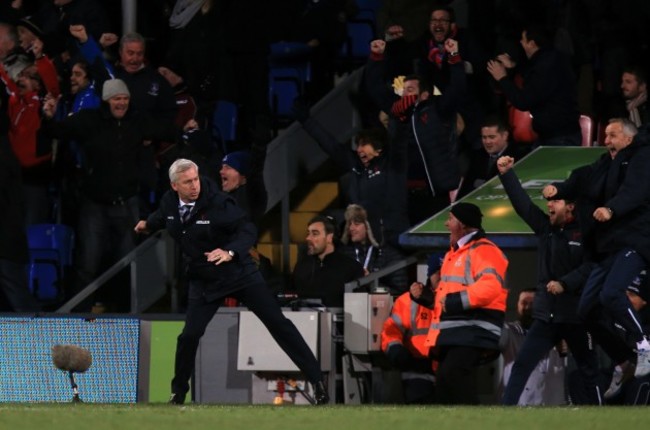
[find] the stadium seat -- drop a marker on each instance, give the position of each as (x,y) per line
(521,124)
(224,123)
(357,47)
(373,5)
(587,129)
(50,255)
(285,84)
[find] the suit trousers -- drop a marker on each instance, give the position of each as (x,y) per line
(255,294)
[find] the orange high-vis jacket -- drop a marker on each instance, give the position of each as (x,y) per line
(407,325)
(472,286)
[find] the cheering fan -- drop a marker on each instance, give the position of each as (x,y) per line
(71,359)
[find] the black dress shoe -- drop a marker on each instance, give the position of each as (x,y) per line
(177,399)
(320,394)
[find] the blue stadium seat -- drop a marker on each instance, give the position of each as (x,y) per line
(51,248)
(224,123)
(357,47)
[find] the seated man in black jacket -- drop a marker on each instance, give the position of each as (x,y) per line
(323,273)
(483,162)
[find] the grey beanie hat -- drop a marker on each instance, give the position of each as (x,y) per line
(114,87)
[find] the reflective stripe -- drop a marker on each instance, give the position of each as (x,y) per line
(423,376)
(492,328)
(494,272)
(419,331)
(458,279)
(414,314)
(398,322)
(468,279)
(464,299)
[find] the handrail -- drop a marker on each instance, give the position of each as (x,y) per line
(129,259)
(373,278)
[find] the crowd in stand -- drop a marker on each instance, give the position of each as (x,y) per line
(94,119)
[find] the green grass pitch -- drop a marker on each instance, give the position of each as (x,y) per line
(338,417)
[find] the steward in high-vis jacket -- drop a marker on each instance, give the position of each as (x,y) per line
(470,305)
(404,334)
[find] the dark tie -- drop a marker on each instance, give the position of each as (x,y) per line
(185,212)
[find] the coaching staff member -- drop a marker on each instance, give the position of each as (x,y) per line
(215,237)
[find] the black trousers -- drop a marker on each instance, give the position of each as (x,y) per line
(258,298)
(456,377)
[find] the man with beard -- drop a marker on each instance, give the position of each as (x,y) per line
(633,100)
(562,271)
(545,384)
(323,273)
(617,185)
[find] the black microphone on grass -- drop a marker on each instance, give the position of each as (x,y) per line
(72,359)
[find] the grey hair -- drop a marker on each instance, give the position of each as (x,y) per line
(629,128)
(132,37)
(179,166)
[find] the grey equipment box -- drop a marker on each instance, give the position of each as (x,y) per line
(257,350)
(364,318)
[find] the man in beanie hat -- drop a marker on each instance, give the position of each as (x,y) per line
(469,306)
(234,169)
(242,172)
(113,139)
(117,95)
(563,269)
(359,243)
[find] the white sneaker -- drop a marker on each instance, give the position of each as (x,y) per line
(619,377)
(643,359)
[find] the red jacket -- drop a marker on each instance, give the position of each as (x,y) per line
(24,114)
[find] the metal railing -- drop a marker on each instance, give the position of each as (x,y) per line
(373,278)
(151,267)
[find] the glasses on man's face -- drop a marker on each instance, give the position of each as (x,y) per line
(437,21)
